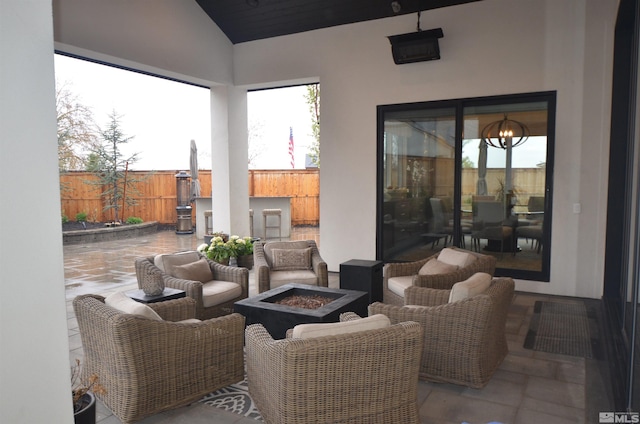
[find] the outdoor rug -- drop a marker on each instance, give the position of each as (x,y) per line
(560,328)
(234,398)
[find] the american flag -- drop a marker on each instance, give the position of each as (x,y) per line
(291,148)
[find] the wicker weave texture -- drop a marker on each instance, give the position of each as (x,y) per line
(150,366)
(193,289)
(483,263)
(465,341)
(365,377)
(263,270)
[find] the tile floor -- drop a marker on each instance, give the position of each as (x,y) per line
(529,388)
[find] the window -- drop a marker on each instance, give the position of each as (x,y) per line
(474,173)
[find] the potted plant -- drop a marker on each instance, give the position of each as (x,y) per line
(243,248)
(219,250)
(84,400)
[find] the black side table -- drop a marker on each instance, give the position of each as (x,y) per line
(363,275)
(167,294)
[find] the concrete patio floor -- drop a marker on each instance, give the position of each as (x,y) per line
(529,388)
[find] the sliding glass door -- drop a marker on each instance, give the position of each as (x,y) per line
(475,173)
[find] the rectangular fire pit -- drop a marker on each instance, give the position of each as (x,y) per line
(277,318)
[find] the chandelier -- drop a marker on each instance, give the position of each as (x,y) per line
(505,133)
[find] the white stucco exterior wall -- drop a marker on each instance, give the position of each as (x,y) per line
(34,343)
(489,48)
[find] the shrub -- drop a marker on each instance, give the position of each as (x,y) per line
(65,219)
(81,216)
(134,220)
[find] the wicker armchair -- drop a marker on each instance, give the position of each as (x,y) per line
(465,341)
(150,366)
(314,272)
(364,377)
(483,263)
(196,289)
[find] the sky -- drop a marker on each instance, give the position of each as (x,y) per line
(164,116)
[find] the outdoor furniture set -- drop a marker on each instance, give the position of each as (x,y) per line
(153,357)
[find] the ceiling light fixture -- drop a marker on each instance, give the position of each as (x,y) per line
(396,6)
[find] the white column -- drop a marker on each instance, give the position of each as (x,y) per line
(229,160)
(34,349)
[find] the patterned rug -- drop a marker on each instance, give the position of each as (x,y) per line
(560,328)
(234,398)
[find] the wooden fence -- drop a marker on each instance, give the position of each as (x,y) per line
(156,197)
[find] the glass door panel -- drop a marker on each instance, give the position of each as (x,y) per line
(418,179)
(503,192)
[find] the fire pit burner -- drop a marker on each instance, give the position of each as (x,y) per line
(307,302)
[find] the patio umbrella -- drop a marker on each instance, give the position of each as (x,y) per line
(481,185)
(193,163)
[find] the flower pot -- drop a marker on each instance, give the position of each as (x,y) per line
(245,261)
(87,412)
(222,261)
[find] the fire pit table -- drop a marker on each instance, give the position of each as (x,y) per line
(278,318)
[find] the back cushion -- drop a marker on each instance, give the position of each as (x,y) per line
(456,257)
(476,284)
(269,246)
(194,271)
(167,261)
(308,331)
(291,259)
(434,266)
(124,303)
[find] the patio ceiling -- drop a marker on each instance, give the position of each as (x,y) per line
(248,20)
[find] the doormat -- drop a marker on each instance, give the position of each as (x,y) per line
(561,328)
(234,398)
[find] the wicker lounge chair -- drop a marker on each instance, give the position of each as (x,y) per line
(464,341)
(364,377)
(308,270)
(149,366)
(222,275)
(483,263)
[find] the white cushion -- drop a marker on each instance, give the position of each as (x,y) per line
(307,331)
(124,303)
(456,257)
(216,292)
(476,284)
(434,267)
(190,321)
(166,261)
(398,285)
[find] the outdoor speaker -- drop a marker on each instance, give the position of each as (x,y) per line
(416,46)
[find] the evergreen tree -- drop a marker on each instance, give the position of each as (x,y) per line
(313,100)
(110,165)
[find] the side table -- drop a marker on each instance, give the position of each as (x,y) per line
(167,294)
(363,275)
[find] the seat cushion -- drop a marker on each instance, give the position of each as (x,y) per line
(307,331)
(124,303)
(397,285)
(291,259)
(278,278)
(434,266)
(194,271)
(269,246)
(476,284)
(167,261)
(217,292)
(456,257)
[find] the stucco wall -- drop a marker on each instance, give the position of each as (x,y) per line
(34,348)
(490,47)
